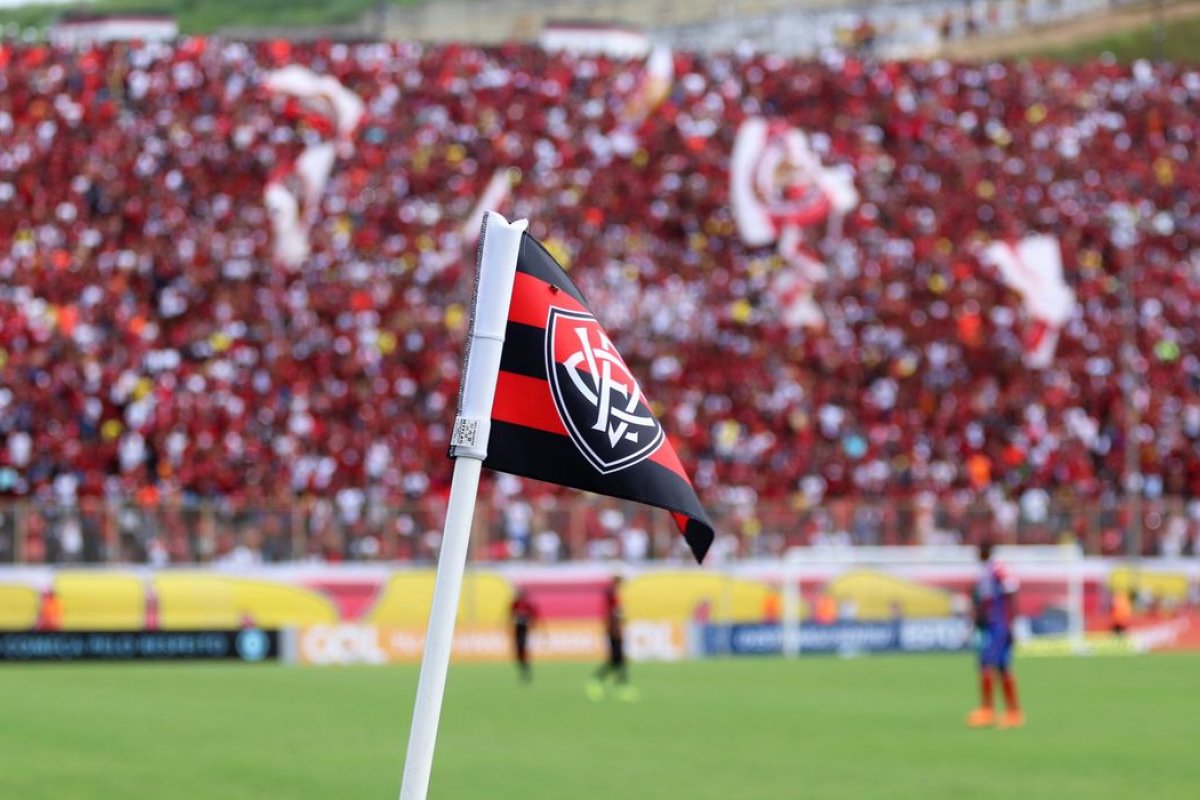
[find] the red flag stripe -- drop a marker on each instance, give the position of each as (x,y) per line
(532,298)
(527,401)
(521,400)
(666,456)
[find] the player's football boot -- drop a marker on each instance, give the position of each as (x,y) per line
(1012,719)
(981,718)
(629,694)
(594,691)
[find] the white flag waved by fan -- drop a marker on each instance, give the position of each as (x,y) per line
(289,235)
(1033,268)
(293,196)
(653,86)
(314,167)
(321,94)
(495,196)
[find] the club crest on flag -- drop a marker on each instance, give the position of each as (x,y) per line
(599,401)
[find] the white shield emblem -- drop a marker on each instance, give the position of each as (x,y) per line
(599,401)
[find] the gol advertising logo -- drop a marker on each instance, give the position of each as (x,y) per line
(599,401)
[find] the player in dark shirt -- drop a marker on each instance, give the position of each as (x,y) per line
(614,621)
(523,614)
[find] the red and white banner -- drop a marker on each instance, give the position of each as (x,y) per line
(780,191)
(777,181)
(1033,268)
(792,287)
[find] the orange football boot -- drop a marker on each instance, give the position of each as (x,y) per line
(1012,719)
(981,718)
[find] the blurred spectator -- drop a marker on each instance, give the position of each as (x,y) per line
(50,611)
(152,354)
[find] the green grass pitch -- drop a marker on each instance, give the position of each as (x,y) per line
(746,729)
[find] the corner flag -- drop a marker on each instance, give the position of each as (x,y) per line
(544,394)
(567,410)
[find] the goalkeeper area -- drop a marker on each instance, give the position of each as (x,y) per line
(933,585)
(825,727)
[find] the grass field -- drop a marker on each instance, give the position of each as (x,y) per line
(770,729)
(1181,44)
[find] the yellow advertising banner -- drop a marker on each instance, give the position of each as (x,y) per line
(328,645)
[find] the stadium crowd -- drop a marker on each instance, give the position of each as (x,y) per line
(151,351)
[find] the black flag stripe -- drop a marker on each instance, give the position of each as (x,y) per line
(524,348)
(552,458)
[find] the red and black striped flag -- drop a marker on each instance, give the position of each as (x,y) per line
(568,411)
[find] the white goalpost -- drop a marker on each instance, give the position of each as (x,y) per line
(1057,572)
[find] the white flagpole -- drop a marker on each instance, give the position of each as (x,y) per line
(499,246)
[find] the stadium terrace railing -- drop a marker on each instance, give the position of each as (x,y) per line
(346,527)
(804,28)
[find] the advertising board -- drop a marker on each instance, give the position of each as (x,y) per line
(553,641)
(905,636)
(248,645)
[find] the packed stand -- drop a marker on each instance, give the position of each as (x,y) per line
(152,354)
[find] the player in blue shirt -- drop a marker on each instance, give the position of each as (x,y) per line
(995,609)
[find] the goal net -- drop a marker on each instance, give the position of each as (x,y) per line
(871,599)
